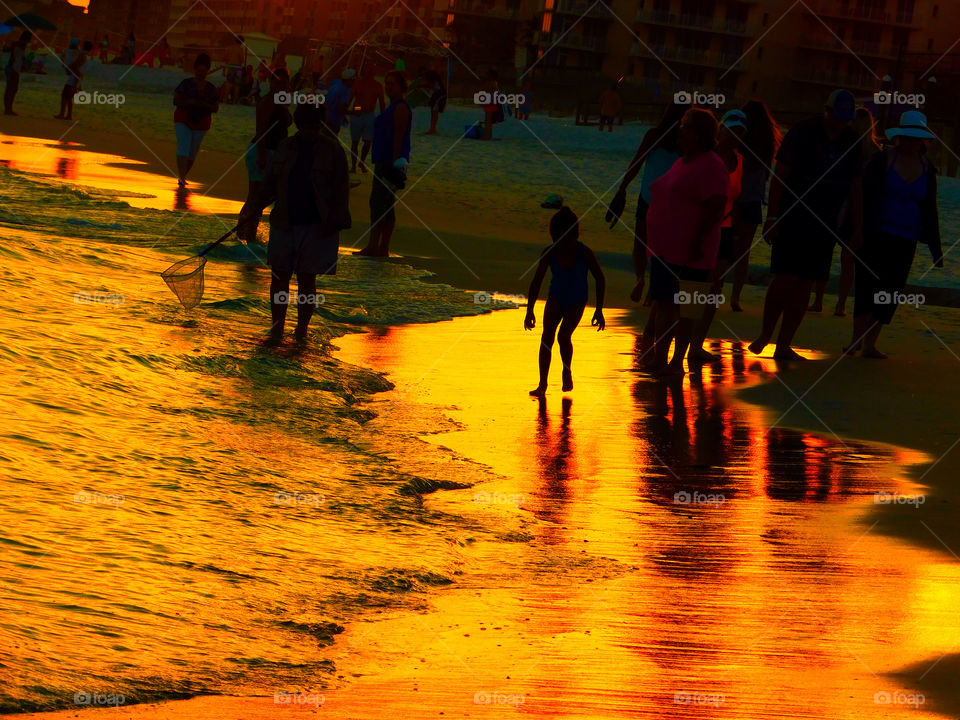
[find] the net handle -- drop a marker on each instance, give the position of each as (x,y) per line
(212,245)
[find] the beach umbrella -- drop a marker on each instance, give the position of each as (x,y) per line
(4,29)
(30,21)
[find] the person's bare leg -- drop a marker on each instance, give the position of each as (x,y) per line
(354,147)
(183,167)
(793,313)
(773,305)
(743,238)
(279,299)
(702,328)
(373,244)
(861,324)
(386,234)
(571,318)
(846,282)
(552,315)
(647,340)
(364,152)
(681,341)
(665,324)
(306,303)
(817,304)
(870,343)
(488,127)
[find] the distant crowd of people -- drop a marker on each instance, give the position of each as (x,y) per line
(832,180)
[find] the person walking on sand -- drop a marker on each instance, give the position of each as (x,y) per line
(75,63)
(817,170)
(437,101)
(391,155)
(657,153)
(196,99)
(272,123)
(866,128)
(569,260)
(308,183)
(367,97)
(16,64)
(491,109)
(610,108)
(687,206)
(729,141)
(899,210)
(337,100)
(760,145)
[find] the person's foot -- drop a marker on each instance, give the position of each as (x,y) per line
(430,132)
(181,183)
(852,349)
(567,381)
(787,354)
(669,371)
(300,336)
(274,339)
(840,310)
(874,354)
(539,391)
(736,306)
(757,346)
(368,251)
(700,355)
(9,112)
(816,306)
(59,117)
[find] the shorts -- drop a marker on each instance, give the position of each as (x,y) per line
(254,173)
(188,141)
(751,212)
(383,195)
(726,244)
(361,127)
(668,280)
(302,249)
(803,250)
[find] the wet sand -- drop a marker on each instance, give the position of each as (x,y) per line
(618,599)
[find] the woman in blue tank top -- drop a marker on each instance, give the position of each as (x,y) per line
(390,154)
(568,260)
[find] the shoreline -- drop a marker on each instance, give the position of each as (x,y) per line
(388,663)
(823,386)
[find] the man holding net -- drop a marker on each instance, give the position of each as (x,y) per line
(308,183)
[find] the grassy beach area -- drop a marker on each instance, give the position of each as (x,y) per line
(569,597)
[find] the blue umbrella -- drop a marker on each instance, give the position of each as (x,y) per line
(4,29)
(30,21)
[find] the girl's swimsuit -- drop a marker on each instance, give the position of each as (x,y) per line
(569,284)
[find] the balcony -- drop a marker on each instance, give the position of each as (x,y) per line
(570,40)
(865,15)
(866,49)
(814,76)
(482,8)
(582,8)
(704,23)
(692,56)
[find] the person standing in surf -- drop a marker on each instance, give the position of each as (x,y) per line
(899,211)
(16,64)
(818,169)
(391,155)
(196,99)
(272,123)
(74,63)
(366,97)
(308,183)
(568,260)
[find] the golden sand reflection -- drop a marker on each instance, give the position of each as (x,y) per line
(70,162)
(749,582)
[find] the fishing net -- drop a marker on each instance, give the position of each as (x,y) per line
(185,278)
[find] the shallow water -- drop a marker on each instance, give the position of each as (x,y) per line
(184,512)
(771,597)
(69,162)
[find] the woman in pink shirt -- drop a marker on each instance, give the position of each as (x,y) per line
(687,204)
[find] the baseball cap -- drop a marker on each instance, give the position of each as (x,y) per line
(843,105)
(734,119)
(349,74)
(553,202)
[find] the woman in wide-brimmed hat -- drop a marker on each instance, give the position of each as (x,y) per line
(899,210)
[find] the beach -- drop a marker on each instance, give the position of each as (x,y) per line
(529,559)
